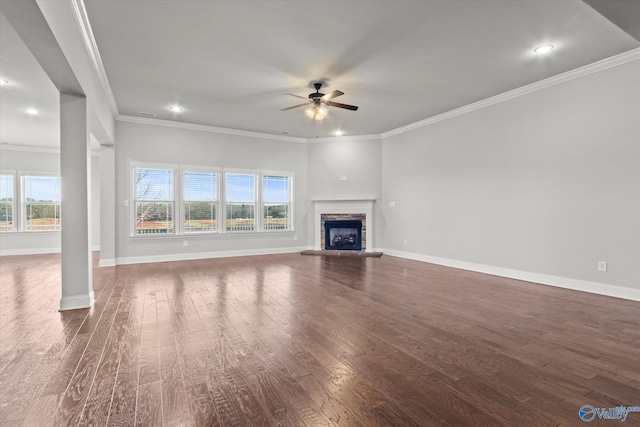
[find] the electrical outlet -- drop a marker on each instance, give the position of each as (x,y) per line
(602,265)
(343,177)
(295,237)
(404,241)
(185,243)
(392,204)
(126,203)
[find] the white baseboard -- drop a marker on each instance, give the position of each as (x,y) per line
(544,279)
(76,302)
(111,262)
(36,251)
(29,251)
(204,255)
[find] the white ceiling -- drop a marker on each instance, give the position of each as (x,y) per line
(229,63)
(29,87)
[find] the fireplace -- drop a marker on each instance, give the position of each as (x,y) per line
(344,235)
(344,210)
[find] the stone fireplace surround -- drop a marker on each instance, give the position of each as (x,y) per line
(344,209)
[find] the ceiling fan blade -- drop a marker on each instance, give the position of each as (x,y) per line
(295,106)
(333,94)
(297,96)
(345,106)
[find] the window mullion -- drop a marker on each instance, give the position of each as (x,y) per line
(178,208)
(259,210)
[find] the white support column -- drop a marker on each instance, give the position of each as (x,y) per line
(75,167)
(107,207)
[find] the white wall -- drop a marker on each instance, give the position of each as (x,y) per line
(143,142)
(359,160)
(29,159)
(547,183)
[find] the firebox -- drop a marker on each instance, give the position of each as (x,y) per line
(343,235)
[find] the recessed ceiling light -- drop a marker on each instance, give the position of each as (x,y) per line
(338,133)
(33,112)
(540,50)
(176,108)
(4,82)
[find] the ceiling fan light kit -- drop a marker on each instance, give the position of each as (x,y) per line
(316,112)
(319,102)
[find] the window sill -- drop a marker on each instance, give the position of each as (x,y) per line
(21,232)
(216,235)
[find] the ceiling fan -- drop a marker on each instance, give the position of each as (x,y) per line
(318,101)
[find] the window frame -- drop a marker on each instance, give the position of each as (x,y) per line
(23,175)
(178,211)
(182,202)
(134,200)
(13,204)
(257,218)
(290,204)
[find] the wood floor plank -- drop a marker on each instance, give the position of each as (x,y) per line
(175,407)
(286,340)
(123,401)
(149,405)
(98,403)
(73,400)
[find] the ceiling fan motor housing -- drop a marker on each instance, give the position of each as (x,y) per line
(317,99)
(317,95)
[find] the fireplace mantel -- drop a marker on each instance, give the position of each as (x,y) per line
(355,206)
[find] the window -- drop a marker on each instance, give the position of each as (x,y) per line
(154,201)
(41,198)
(240,192)
(208,200)
(7,197)
(200,201)
(276,199)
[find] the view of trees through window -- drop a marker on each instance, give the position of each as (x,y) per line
(241,202)
(41,203)
(200,201)
(199,205)
(276,197)
(154,201)
(6,202)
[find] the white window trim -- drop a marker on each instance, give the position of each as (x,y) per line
(291,177)
(21,175)
(132,206)
(258,218)
(204,169)
(14,205)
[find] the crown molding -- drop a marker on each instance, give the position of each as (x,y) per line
(345,138)
(80,14)
(30,148)
(614,61)
(207,128)
(238,132)
(38,149)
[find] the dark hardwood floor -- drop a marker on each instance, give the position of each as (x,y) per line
(290,340)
